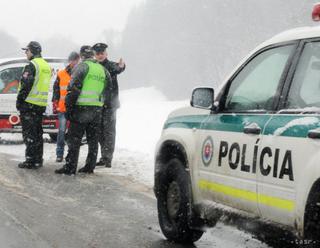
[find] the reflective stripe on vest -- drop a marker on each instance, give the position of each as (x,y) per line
(40,88)
(93,85)
(64,80)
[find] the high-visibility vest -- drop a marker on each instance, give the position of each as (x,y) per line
(64,80)
(39,92)
(93,85)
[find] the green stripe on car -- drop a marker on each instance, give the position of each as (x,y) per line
(279,125)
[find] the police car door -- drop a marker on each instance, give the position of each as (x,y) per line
(291,158)
(230,139)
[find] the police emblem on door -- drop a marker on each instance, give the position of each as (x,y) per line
(207,151)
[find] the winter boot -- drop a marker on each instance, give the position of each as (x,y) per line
(30,165)
(25,165)
(108,164)
(65,170)
(37,165)
(101,162)
(86,169)
(104,162)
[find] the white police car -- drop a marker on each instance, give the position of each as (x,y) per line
(254,148)
(10,74)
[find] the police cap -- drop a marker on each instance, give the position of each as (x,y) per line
(99,47)
(34,47)
(86,51)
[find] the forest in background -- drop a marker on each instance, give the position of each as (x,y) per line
(176,45)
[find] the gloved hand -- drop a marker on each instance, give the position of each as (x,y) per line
(55,107)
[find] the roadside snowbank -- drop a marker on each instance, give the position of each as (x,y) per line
(140,120)
(141,117)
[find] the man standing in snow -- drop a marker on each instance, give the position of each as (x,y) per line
(31,103)
(87,93)
(58,101)
(108,123)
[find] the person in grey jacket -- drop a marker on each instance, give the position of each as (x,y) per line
(108,122)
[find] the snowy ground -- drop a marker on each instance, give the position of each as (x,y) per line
(140,120)
(139,124)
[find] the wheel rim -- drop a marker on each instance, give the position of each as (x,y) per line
(173,200)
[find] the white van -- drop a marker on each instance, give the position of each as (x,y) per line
(10,73)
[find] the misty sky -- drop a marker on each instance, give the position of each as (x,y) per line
(80,20)
(174,45)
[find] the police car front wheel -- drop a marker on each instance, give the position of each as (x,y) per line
(175,205)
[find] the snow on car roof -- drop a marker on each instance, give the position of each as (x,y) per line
(294,34)
(288,35)
(6,61)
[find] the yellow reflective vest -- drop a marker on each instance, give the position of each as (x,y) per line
(93,85)
(40,89)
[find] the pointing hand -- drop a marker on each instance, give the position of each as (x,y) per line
(121,63)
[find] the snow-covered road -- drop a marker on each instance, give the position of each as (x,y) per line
(140,119)
(39,204)
(139,124)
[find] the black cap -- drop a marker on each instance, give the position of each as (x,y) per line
(34,47)
(73,56)
(86,51)
(99,47)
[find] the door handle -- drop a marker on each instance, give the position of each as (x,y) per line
(314,134)
(252,128)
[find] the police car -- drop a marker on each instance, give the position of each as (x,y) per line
(10,73)
(252,147)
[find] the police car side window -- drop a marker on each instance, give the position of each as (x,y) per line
(255,86)
(9,80)
(305,87)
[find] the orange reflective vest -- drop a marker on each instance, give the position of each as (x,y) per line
(64,80)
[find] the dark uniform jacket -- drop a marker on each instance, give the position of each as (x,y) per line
(83,114)
(26,83)
(113,68)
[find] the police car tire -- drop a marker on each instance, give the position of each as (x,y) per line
(312,220)
(177,229)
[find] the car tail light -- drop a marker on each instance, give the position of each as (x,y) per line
(4,123)
(316,12)
(14,119)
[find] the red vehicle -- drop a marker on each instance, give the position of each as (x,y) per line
(10,73)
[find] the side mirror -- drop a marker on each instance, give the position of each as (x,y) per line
(202,97)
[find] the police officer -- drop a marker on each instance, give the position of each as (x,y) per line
(108,123)
(87,92)
(58,99)
(31,103)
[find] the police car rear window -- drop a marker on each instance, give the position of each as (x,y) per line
(9,80)
(305,87)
